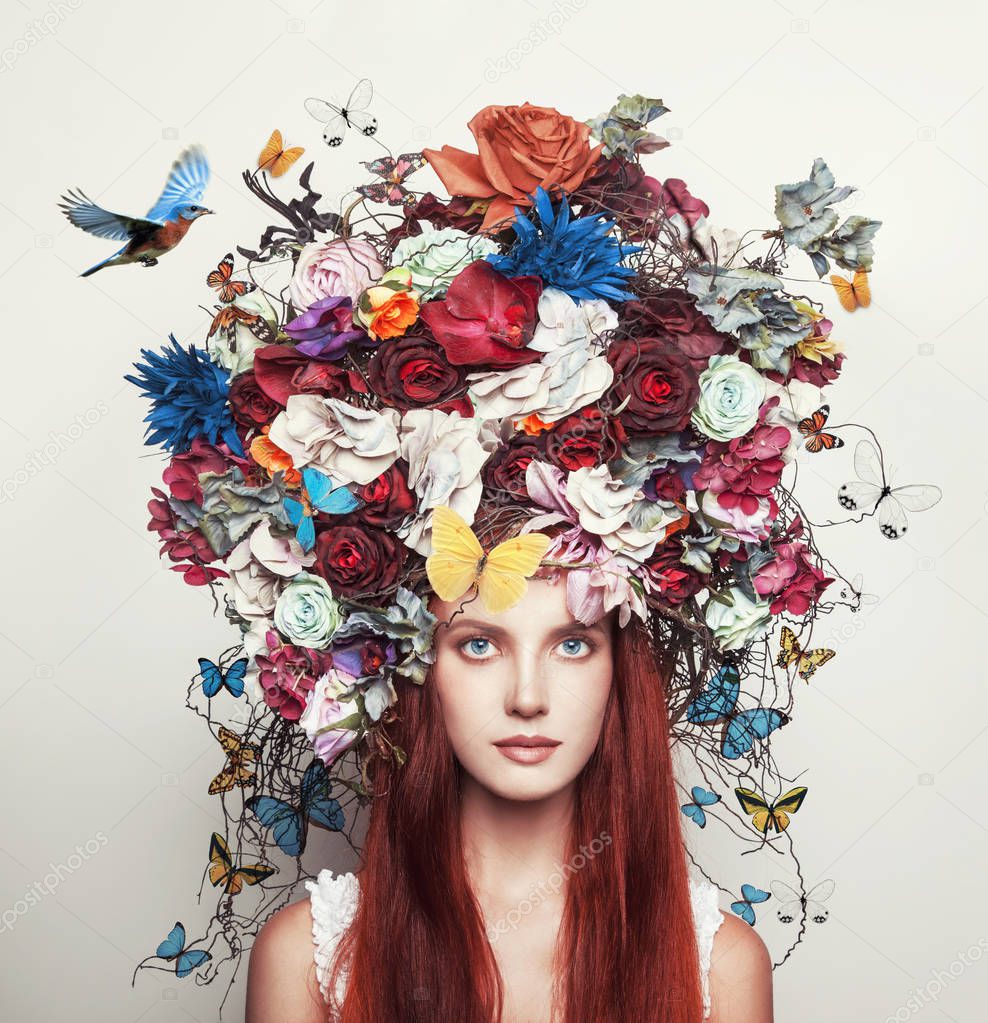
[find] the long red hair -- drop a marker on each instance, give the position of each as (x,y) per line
(417,950)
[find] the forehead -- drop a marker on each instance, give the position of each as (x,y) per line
(540,612)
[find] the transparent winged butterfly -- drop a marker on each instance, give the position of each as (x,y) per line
(872,492)
(393,170)
(336,119)
(855,589)
(792,903)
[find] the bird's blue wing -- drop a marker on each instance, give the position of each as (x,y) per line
(84,213)
(186,184)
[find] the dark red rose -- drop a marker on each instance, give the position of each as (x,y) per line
(287,674)
(677,199)
(358,561)
(282,371)
(677,582)
(656,380)
(454,213)
(586,438)
(387,499)
(182,474)
(413,372)
(665,485)
(249,405)
(672,312)
(505,469)
(486,319)
(621,190)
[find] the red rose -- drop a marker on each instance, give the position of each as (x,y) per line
(677,582)
(454,213)
(505,469)
(585,438)
(282,371)
(486,319)
(656,384)
(358,561)
(249,405)
(621,190)
(387,499)
(413,372)
(672,312)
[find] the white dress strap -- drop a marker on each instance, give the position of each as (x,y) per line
(707,917)
(333,901)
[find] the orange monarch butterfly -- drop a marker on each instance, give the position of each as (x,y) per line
(852,293)
(812,429)
(275,158)
(221,280)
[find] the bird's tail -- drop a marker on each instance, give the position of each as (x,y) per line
(93,269)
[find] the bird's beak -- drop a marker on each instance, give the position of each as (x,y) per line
(209,211)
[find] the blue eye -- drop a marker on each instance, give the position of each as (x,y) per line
(478,646)
(573,646)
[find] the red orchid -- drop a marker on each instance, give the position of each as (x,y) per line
(486,319)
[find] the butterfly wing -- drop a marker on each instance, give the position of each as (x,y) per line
(743,910)
(892,519)
(718,700)
(173,944)
(212,676)
(407,163)
(234,677)
(704,798)
(453,565)
(361,96)
(283,820)
(917,497)
(271,151)
(504,578)
(789,648)
(810,660)
(334,123)
(220,861)
(189,960)
(845,292)
(861,288)
(751,801)
(753,895)
(742,730)
(326,495)
(792,800)
(695,814)
(376,191)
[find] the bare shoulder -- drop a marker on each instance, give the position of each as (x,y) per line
(740,974)
(281,979)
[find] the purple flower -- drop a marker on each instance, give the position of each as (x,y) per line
(325,329)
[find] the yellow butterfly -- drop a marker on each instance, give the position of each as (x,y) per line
(238,756)
(808,660)
(852,293)
(458,562)
(222,870)
(274,158)
(765,815)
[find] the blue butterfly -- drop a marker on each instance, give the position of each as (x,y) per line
(186,959)
(214,677)
(701,798)
(288,823)
(318,493)
(718,703)
(750,897)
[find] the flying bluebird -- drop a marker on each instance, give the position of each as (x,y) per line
(161,229)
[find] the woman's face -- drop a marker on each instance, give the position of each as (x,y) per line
(532,671)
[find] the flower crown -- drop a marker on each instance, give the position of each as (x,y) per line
(566,363)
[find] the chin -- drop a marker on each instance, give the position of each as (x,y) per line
(522,782)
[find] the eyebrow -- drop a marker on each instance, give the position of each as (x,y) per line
(475,623)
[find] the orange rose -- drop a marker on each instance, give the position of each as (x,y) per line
(387,309)
(521,147)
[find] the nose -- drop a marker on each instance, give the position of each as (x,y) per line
(528,696)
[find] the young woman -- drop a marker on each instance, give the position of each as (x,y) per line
(526,865)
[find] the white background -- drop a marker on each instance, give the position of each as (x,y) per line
(98,640)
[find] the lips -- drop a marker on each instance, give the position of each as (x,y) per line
(527,741)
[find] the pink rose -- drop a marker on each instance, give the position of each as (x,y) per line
(343,267)
(325,711)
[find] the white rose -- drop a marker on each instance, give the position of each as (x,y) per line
(444,455)
(604,506)
(735,626)
(350,444)
(307,613)
(731,392)
(435,257)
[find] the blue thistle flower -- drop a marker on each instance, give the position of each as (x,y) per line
(581,257)
(188,395)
